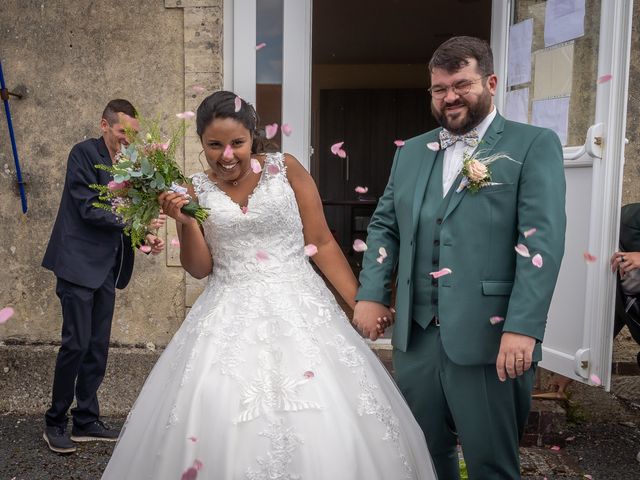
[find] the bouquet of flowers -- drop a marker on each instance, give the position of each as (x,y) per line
(141,172)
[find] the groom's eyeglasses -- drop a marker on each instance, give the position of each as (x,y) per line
(461,88)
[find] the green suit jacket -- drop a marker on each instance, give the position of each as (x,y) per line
(478,234)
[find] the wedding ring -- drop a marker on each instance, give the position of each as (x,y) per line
(622,259)
(520,359)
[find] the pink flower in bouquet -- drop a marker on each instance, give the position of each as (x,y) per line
(115,186)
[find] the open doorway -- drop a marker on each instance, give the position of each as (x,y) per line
(369,88)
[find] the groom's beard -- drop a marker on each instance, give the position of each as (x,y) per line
(476,112)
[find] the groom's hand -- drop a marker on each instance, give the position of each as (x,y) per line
(515,355)
(369,316)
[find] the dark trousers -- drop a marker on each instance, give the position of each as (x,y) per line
(82,358)
(631,318)
(468,403)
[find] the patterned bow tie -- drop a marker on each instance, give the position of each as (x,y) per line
(447,138)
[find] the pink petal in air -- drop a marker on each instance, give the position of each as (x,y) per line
(190,473)
(359,245)
(399,143)
(198,89)
(383,254)
(255,166)
(496,320)
(228,152)
(197,464)
(193,439)
(237,103)
(273,169)
(260,46)
(5,314)
(537,260)
(309,374)
(271,130)
(185,115)
(531,231)
(605,78)
(145,248)
(522,250)
(336,149)
(441,273)
(362,190)
(175,242)
(310,250)
(589,258)
(262,256)
(595,379)
(286,129)
(433,146)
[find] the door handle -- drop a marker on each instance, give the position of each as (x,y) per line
(592,145)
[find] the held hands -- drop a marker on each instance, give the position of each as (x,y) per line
(172,202)
(156,243)
(515,355)
(625,262)
(372,318)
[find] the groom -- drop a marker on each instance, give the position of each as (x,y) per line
(466,338)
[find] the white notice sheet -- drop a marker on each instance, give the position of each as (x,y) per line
(564,21)
(517,105)
(552,113)
(519,67)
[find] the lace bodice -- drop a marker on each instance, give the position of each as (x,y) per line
(264,241)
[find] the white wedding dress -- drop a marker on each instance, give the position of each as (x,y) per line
(266,379)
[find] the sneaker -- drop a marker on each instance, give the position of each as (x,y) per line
(94,432)
(58,440)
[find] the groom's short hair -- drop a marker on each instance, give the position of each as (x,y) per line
(455,53)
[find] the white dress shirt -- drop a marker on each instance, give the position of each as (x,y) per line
(454,154)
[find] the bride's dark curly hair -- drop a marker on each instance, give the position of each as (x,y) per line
(222,104)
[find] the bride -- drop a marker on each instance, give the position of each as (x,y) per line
(266,378)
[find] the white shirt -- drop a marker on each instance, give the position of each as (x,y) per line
(454,154)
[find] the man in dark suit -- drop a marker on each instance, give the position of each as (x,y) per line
(90,257)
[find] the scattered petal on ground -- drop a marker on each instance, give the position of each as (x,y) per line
(496,320)
(255,166)
(591,478)
(271,130)
(537,260)
(434,146)
(145,248)
(199,89)
(286,129)
(399,143)
(262,256)
(185,115)
(359,245)
(530,232)
(362,190)
(310,250)
(589,258)
(570,439)
(5,314)
(595,379)
(260,46)
(605,78)
(522,250)
(440,273)
(555,448)
(237,104)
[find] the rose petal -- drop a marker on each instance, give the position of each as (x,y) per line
(605,78)
(271,130)
(190,473)
(531,231)
(496,320)
(197,464)
(359,245)
(589,258)
(522,250)
(399,143)
(237,103)
(591,478)
(262,256)
(273,169)
(199,89)
(244,209)
(537,260)
(310,250)
(228,152)
(286,129)
(362,190)
(570,439)
(255,166)
(555,448)
(336,147)
(433,146)
(342,153)
(260,46)
(185,115)
(383,252)
(145,248)
(175,242)
(440,273)
(193,439)
(595,379)
(5,314)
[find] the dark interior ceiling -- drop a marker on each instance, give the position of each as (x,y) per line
(392,31)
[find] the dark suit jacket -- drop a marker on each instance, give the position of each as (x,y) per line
(87,241)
